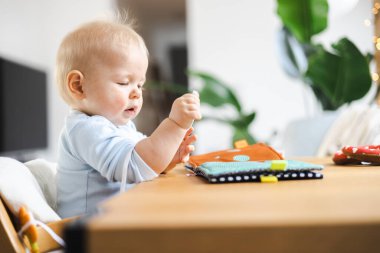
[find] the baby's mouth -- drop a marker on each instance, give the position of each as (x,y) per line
(131,109)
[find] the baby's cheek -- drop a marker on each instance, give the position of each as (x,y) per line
(119,102)
(140,107)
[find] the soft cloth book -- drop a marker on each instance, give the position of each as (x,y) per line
(254,163)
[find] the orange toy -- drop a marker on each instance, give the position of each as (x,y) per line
(255,152)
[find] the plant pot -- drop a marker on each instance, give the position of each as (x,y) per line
(303,137)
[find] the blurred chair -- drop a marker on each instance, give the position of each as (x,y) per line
(31,185)
(354,125)
(304,136)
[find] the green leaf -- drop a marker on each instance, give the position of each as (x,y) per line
(304,18)
(342,76)
(242,134)
(323,99)
(243,121)
(369,56)
(214,92)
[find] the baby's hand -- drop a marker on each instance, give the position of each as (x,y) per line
(185,110)
(186,147)
(183,153)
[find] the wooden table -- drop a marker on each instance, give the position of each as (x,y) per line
(181,213)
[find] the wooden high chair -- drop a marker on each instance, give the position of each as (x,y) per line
(20,189)
(11,242)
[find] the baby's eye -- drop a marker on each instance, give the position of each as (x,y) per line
(126,83)
(140,86)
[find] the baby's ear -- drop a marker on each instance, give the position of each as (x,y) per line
(74,81)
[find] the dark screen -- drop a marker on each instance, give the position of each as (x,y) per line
(23,109)
(178,62)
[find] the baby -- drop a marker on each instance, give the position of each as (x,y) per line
(101,68)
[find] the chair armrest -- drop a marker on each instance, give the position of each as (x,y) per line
(9,239)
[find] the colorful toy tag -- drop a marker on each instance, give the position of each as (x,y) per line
(29,229)
(268,179)
(241,144)
(279,165)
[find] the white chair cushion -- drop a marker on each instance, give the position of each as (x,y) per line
(19,188)
(45,173)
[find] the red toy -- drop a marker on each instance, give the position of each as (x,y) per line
(356,155)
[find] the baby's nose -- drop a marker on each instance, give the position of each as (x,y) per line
(135,92)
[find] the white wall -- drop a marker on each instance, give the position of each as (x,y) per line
(30,33)
(236,40)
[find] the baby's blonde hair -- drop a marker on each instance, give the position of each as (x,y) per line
(88,42)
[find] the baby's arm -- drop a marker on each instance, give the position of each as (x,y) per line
(159,149)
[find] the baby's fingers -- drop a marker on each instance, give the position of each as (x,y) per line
(186,154)
(194,112)
(191,99)
(189,131)
(189,139)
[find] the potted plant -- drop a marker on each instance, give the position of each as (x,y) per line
(336,76)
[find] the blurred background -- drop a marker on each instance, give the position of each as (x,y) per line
(237,41)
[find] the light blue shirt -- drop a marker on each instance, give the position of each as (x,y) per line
(92,155)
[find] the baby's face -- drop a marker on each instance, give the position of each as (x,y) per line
(113,88)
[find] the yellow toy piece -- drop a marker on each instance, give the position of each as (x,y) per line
(279,165)
(268,179)
(241,143)
(31,232)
